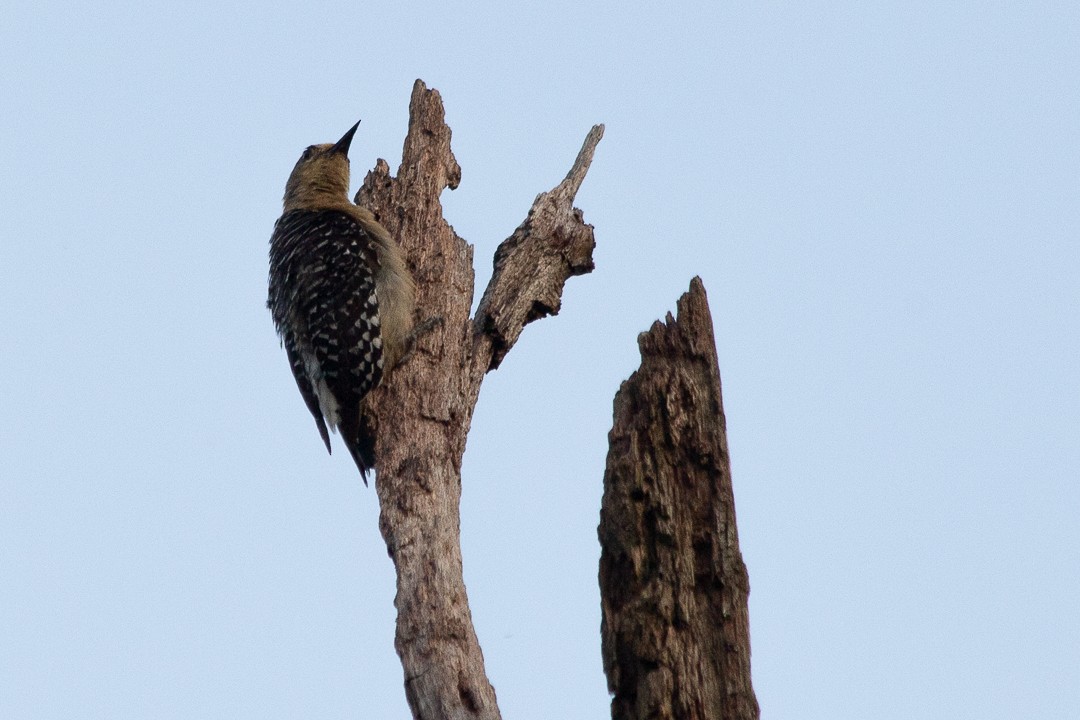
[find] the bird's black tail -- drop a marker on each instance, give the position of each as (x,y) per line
(360,439)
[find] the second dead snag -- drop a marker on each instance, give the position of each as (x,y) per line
(674,589)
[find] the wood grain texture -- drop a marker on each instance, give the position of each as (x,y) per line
(422,414)
(534,263)
(674,589)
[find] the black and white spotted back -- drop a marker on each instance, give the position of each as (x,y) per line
(322,297)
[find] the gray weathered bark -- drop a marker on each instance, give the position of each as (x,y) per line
(675,630)
(425,409)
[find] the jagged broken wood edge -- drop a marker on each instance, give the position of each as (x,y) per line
(532,266)
(675,625)
(425,408)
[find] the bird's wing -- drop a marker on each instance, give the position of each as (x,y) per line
(322,294)
(338,304)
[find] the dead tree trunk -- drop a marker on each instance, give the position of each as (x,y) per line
(674,588)
(425,410)
(675,629)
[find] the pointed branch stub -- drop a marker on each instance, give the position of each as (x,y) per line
(553,244)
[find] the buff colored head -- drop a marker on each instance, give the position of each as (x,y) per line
(321,176)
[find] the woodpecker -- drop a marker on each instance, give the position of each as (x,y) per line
(340,295)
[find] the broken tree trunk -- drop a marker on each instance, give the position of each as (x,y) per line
(675,629)
(423,413)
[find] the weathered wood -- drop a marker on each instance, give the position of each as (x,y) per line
(425,408)
(675,629)
(532,265)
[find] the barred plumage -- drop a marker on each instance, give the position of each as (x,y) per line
(339,295)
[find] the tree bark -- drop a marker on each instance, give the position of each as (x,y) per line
(422,414)
(675,629)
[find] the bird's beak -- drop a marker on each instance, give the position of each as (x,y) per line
(342,145)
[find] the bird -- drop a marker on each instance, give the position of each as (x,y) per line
(340,295)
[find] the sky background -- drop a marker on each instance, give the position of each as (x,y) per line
(881,198)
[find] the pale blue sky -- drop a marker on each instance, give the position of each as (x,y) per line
(882,200)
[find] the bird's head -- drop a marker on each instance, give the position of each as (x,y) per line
(321,176)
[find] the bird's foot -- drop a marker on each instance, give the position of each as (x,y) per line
(419,330)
